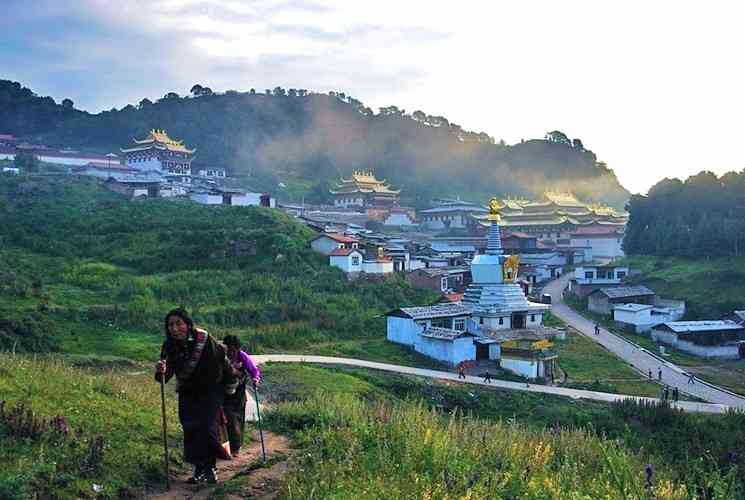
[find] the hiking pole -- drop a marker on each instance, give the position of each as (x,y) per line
(258,420)
(165,428)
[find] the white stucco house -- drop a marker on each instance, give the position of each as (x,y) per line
(348,260)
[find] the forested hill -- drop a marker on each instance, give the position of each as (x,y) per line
(305,140)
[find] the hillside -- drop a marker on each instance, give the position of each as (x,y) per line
(711,287)
(87,271)
(307,140)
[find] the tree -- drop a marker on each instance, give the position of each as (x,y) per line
(67,103)
(145,103)
(27,162)
(577,144)
(196,90)
(171,96)
(252,91)
(558,136)
(279,91)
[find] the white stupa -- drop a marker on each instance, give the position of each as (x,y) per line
(496,301)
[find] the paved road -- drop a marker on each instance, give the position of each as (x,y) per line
(638,358)
(502,384)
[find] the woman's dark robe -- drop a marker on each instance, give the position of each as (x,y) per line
(200,399)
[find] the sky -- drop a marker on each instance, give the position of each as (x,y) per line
(655,89)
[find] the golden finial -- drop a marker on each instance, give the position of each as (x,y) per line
(494,210)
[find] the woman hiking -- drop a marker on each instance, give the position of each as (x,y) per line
(235,401)
(200,365)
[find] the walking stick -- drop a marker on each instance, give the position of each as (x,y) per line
(165,428)
(258,419)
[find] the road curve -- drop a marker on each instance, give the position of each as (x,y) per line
(497,383)
(640,359)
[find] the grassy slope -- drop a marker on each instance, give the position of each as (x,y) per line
(711,288)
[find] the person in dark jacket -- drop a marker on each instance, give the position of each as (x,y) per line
(235,398)
(200,366)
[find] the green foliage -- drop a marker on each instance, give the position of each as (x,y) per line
(282,136)
(358,449)
(111,432)
(701,217)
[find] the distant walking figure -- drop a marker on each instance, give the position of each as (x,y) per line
(676,394)
(597,329)
(487,377)
(650,374)
(461,371)
(666,393)
(691,376)
(659,373)
(649,471)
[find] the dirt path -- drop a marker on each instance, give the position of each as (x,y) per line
(260,482)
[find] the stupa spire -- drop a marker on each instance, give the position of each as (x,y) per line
(494,238)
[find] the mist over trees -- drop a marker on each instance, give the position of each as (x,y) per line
(703,216)
(306,140)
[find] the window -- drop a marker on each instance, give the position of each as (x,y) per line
(443,284)
(588,275)
(532,318)
(355,260)
(501,321)
(481,321)
(459,324)
(621,275)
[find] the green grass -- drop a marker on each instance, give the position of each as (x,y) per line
(590,366)
(711,287)
(122,409)
(354,449)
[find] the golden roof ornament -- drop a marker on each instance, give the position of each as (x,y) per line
(494,210)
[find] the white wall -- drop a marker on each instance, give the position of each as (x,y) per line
(727,351)
(643,317)
(451,352)
(348,202)
(522,367)
(345,262)
(402,330)
(601,247)
(151,164)
(493,323)
(377,267)
(247,199)
(206,198)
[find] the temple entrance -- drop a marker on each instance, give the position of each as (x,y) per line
(482,351)
(518,321)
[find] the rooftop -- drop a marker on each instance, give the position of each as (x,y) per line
(632,307)
(435,311)
(343,252)
(703,326)
(625,291)
(438,333)
(341,238)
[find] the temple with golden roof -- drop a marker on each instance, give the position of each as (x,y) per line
(160,154)
(364,190)
(556,217)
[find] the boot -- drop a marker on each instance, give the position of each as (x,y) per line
(199,475)
(211,475)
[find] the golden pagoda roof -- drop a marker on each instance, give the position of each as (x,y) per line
(363,182)
(159,138)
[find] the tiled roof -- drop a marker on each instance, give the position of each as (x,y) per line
(625,291)
(337,237)
(438,333)
(436,311)
(342,252)
(594,230)
(702,326)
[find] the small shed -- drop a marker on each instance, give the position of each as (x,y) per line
(603,300)
(723,339)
